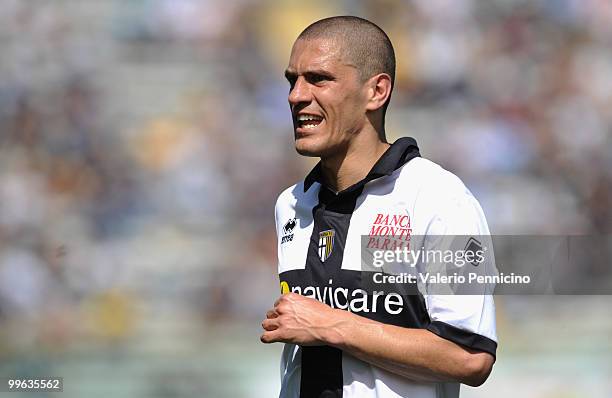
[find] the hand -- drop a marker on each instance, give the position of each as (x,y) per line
(301,320)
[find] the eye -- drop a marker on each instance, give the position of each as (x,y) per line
(315,78)
(291,78)
(292,83)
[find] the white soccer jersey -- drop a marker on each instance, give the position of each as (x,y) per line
(321,240)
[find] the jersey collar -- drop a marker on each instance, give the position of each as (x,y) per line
(398,154)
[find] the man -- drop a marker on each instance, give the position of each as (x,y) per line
(342,341)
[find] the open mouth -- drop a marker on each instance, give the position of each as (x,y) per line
(308,121)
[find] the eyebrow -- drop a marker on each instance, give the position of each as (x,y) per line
(292,74)
(289,74)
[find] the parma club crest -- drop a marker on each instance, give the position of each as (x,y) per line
(326,244)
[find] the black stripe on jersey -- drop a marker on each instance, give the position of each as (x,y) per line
(320,375)
(463,337)
(322,366)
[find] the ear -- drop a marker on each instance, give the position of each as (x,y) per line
(379,90)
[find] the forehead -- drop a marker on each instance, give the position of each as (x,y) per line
(321,53)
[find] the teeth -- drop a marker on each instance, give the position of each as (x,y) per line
(302,118)
(309,126)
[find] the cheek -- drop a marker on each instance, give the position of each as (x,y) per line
(350,112)
(343,109)
(343,112)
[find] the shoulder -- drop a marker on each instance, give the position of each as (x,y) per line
(295,202)
(431,178)
(289,196)
(442,199)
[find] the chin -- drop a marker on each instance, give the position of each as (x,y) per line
(307,152)
(305,148)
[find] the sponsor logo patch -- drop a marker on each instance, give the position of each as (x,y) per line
(390,232)
(474,246)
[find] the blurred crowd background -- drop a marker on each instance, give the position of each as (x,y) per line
(143,144)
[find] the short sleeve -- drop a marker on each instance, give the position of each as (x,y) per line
(457,222)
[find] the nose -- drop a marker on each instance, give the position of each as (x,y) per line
(300,92)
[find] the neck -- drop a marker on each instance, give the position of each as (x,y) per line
(348,168)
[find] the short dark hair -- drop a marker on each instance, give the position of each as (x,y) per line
(365,44)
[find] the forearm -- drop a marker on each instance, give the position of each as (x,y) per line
(417,354)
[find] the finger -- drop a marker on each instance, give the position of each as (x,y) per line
(273,336)
(270,324)
(271,314)
(285,300)
(280,299)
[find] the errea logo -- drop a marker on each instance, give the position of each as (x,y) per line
(288,230)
